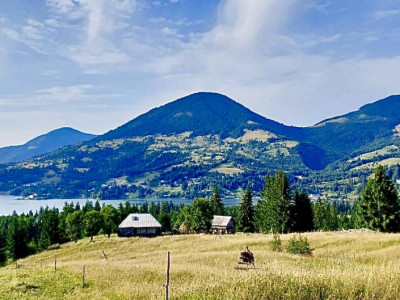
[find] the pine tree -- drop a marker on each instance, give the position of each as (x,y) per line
(16,239)
(144,208)
(216,203)
(97,206)
(379,206)
(3,256)
(48,228)
(164,218)
(273,211)
(246,213)
(153,210)
(302,213)
(318,215)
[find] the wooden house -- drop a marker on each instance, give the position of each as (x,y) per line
(139,225)
(222,225)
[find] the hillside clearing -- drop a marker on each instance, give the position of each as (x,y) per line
(343,265)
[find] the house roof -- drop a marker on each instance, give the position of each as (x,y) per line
(221,220)
(140,221)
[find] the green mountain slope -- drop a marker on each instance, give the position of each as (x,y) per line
(187,146)
(43,144)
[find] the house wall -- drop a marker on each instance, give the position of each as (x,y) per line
(131,231)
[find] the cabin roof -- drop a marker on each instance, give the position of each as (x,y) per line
(140,221)
(221,220)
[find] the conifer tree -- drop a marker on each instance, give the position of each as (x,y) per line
(302,213)
(3,256)
(48,228)
(164,218)
(144,208)
(153,210)
(246,213)
(16,240)
(216,203)
(318,214)
(97,205)
(379,206)
(273,211)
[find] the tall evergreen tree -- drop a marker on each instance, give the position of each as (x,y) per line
(48,228)
(325,216)
(97,205)
(153,210)
(273,211)
(144,208)
(246,213)
(216,203)
(3,256)
(302,214)
(164,218)
(16,240)
(379,207)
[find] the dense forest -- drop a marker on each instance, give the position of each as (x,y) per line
(280,210)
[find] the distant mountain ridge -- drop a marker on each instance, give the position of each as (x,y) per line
(42,144)
(183,148)
(200,113)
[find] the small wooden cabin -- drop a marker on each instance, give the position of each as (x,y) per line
(222,225)
(139,225)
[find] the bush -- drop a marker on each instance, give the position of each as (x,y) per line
(299,245)
(276,243)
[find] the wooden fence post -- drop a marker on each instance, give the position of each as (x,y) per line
(83,277)
(55,262)
(167,282)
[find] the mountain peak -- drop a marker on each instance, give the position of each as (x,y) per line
(44,143)
(201,113)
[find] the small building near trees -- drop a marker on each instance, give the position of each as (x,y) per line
(139,225)
(222,225)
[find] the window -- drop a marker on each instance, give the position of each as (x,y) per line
(135,218)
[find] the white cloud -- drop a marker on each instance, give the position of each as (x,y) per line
(62,6)
(248,56)
(65,94)
(383,14)
(101,21)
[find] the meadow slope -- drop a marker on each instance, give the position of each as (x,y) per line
(343,265)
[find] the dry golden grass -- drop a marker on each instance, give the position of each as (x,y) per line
(343,265)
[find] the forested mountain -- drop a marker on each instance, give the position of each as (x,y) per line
(187,146)
(42,144)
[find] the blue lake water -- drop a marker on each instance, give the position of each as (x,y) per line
(10,203)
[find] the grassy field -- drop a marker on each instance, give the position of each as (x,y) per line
(343,265)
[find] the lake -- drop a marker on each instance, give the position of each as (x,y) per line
(10,203)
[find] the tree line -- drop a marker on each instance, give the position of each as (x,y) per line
(26,234)
(280,210)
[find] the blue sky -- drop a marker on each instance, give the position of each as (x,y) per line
(95,64)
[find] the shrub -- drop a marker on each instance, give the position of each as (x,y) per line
(299,245)
(276,243)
